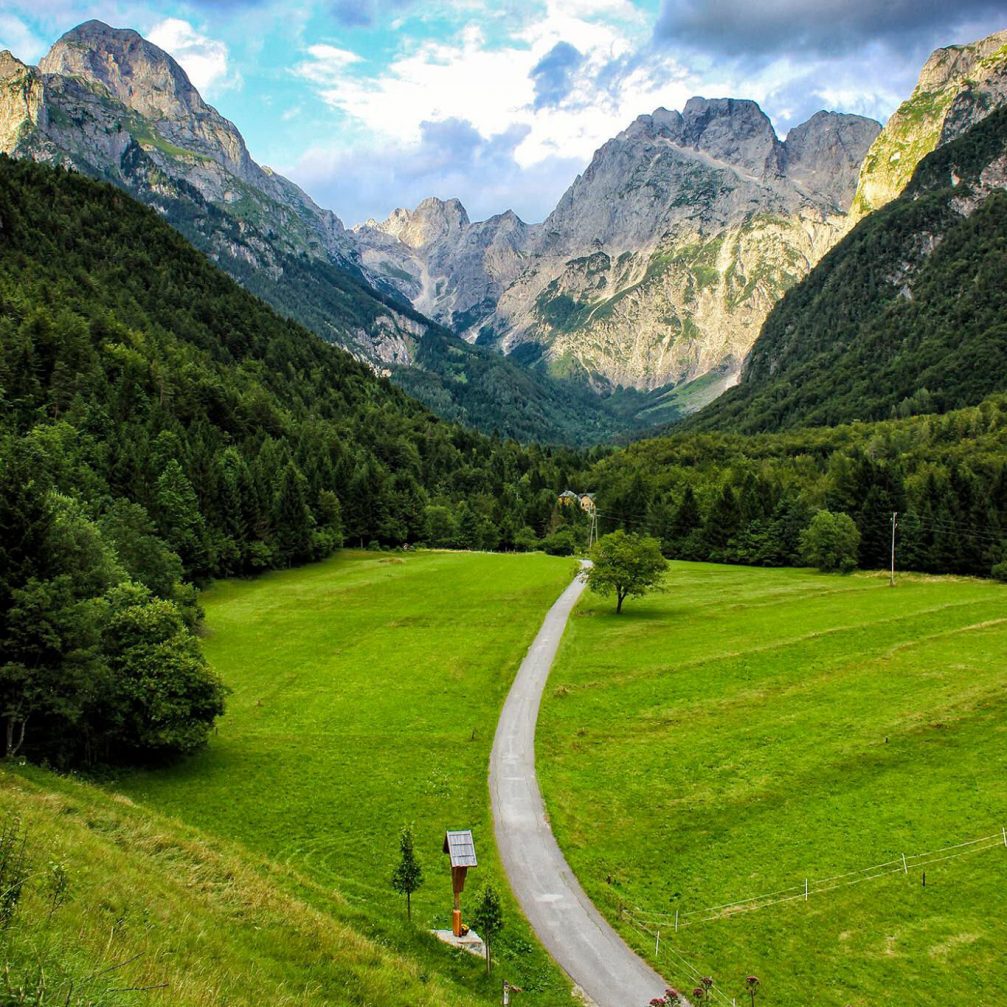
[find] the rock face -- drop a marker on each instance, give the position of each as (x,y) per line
(904,316)
(110,104)
(660,262)
(958,87)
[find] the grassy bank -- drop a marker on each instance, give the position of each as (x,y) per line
(157,913)
(750,729)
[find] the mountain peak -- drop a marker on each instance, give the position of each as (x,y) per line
(431,221)
(824,154)
(133,70)
(10,65)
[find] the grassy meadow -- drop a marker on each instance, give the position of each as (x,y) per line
(365,696)
(748,729)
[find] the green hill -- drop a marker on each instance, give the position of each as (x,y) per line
(906,315)
(158,912)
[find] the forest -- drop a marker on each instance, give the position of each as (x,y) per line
(736,498)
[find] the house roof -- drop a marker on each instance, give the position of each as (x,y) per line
(569,495)
(461,848)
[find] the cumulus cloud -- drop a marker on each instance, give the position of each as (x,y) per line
(205,60)
(16,36)
(450,158)
(567,77)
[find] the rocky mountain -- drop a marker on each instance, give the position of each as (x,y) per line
(106,102)
(958,86)
(109,104)
(659,263)
(908,314)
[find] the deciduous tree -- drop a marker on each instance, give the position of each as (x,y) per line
(626,565)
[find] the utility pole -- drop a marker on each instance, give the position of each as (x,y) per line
(895,524)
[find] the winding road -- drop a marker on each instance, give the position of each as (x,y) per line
(605,969)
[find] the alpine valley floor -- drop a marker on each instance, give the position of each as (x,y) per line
(750,729)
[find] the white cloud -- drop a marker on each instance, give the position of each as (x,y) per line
(205,60)
(490,86)
(18,37)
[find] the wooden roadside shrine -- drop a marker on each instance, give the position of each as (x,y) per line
(460,847)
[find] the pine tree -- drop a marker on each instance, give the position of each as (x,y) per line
(488,920)
(408,876)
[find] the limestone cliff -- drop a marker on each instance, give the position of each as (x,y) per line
(659,263)
(958,86)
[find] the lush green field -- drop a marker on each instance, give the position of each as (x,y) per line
(366,693)
(749,729)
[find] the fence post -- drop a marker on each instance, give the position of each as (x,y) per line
(676,921)
(1004,832)
(904,867)
(657,943)
(805,889)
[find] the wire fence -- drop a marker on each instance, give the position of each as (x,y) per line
(660,927)
(808,888)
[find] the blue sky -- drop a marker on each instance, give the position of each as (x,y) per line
(373,104)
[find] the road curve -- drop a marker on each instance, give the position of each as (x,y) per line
(566,921)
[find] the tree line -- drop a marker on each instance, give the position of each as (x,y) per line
(748,499)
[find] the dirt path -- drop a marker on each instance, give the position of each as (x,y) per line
(566,921)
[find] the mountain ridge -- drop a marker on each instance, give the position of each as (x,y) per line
(106,102)
(546,289)
(904,316)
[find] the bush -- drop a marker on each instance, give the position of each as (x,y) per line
(560,543)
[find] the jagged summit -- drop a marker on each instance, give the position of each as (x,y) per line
(659,262)
(958,86)
(433,220)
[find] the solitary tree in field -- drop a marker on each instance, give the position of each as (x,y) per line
(831,542)
(752,985)
(487,920)
(408,876)
(625,565)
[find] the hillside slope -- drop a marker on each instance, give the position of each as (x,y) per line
(123,351)
(906,315)
(154,905)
